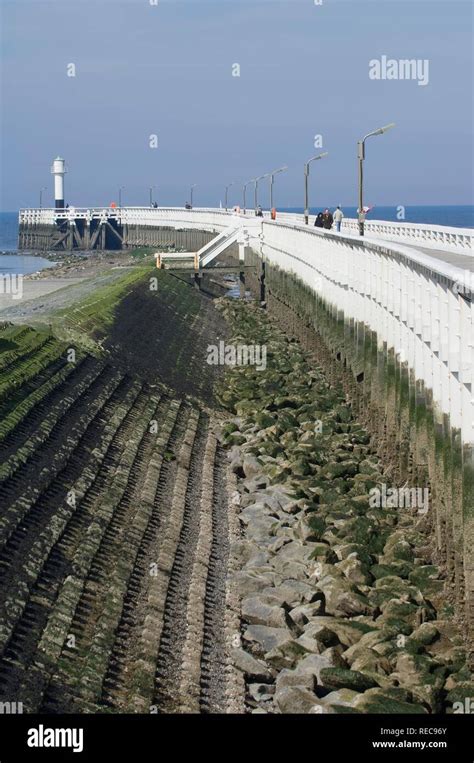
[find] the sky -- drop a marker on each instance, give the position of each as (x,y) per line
(166,68)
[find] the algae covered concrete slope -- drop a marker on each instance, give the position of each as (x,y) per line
(114,536)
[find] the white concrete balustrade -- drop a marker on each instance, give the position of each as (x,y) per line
(458,240)
(431,236)
(421,307)
(174,217)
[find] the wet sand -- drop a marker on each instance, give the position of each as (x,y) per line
(35,290)
(56,288)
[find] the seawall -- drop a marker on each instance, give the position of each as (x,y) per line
(408,431)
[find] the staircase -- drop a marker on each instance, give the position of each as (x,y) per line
(218,245)
(202,258)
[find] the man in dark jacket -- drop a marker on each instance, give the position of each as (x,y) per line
(327,219)
(319,222)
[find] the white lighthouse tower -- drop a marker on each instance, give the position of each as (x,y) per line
(58,170)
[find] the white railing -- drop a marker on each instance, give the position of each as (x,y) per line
(431,236)
(458,240)
(219,244)
(420,307)
(176,217)
(37,216)
(50,216)
(450,239)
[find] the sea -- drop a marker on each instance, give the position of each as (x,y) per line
(12,263)
(453,216)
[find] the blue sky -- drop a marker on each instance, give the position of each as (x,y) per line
(167,70)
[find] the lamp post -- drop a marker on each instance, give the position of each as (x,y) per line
(306,191)
(122,187)
(272,176)
(41,196)
(256,181)
(245,192)
(361,157)
(151,194)
(226,192)
(192,193)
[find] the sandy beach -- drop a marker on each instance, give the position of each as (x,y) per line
(56,288)
(33,290)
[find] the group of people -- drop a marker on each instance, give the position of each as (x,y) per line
(326,219)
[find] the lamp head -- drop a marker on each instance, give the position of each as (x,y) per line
(381,130)
(318,156)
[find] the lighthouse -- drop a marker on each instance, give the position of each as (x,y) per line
(58,170)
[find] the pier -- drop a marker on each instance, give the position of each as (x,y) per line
(118,228)
(314,499)
(394,309)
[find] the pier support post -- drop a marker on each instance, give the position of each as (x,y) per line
(70,242)
(77,237)
(87,235)
(242,248)
(242,284)
(261,279)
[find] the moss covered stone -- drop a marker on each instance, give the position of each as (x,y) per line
(340,678)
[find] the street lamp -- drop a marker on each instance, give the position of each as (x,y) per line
(361,157)
(41,196)
(192,190)
(151,194)
(122,187)
(245,191)
(256,181)
(272,175)
(306,176)
(226,191)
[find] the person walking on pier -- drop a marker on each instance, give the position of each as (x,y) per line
(319,222)
(338,215)
(327,219)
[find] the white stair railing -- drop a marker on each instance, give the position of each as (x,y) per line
(218,245)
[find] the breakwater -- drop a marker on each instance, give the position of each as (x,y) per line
(174,540)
